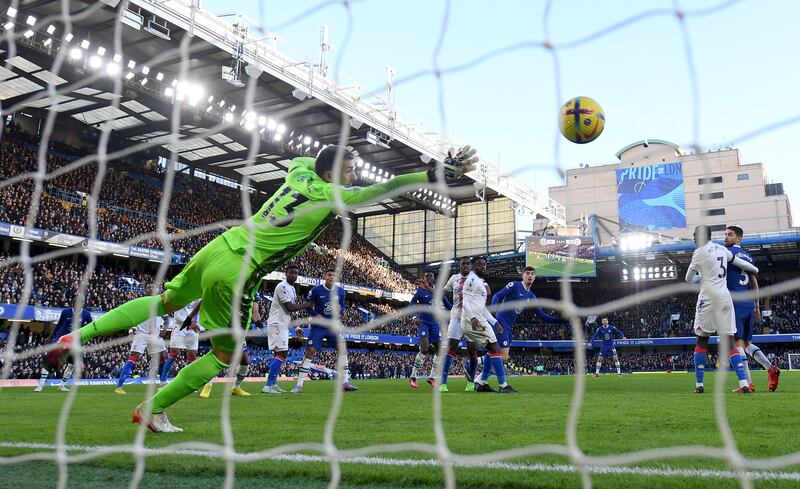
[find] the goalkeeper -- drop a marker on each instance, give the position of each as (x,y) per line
(285,225)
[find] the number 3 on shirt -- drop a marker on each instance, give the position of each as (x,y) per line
(279,222)
(722,264)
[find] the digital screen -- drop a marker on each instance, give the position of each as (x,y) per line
(651,197)
(551,254)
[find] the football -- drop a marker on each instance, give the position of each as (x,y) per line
(581,120)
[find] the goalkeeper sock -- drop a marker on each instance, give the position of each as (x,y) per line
(745,364)
(418,362)
(737,366)
(167,367)
(241,373)
(303,374)
(125,372)
(67,373)
(122,318)
(487,368)
(499,369)
(759,356)
(43,375)
(448,362)
(191,378)
(700,355)
(274,370)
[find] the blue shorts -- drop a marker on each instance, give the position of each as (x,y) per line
(744,324)
(430,331)
(318,333)
(504,338)
(607,352)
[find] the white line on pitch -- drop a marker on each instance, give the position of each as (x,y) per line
(537,467)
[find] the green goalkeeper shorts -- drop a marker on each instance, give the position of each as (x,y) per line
(212,275)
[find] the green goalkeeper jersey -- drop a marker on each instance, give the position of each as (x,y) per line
(279,236)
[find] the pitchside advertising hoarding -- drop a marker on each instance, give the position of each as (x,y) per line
(550,255)
(651,197)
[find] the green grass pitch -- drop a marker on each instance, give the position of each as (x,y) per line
(624,414)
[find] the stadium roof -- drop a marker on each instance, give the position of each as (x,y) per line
(171,51)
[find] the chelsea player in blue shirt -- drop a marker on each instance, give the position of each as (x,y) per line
(748,312)
(428,331)
(516,291)
(606,333)
(64,326)
(320,297)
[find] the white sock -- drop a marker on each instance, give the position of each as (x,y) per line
(618,368)
(434,364)
(746,364)
(43,376)
(303,373)
(241,373)
(597,368)
(67,373)
(698,384)
(756,353)
(346,369)
(419,360)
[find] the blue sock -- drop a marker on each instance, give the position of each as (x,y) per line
(274,370)
(499,369)
(472,367)
(700,364)
(448,361)
(125,372)
(166,368)
(487,367)
(736,364)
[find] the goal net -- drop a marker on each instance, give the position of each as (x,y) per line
(119,154)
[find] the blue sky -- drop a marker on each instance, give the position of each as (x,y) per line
(745,58)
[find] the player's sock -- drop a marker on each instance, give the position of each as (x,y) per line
(303,373)
(67,373)
(43,376)
(190,378)
(619,369)
(737,366)
(434,363)
(700,355)
(346,369)
(448,362)
(274,370)
(487,368)
(122,318)
(756,353)
(125,372)
(499,369)
(241,373)
(486,360)
(419,360)
(472,367)
(167,367)
(745,364)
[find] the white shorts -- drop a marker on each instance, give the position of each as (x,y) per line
(454,329)
(184,340)
(278,336)
(710,319)
(142,342)
(480,337)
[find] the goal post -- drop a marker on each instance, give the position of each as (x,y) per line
(794,361)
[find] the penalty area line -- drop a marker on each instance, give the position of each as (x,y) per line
(403,462)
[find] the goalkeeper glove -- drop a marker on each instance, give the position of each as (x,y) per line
(456,163)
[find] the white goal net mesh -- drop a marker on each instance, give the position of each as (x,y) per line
(31,188)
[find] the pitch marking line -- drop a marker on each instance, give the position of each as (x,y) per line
(538,467)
